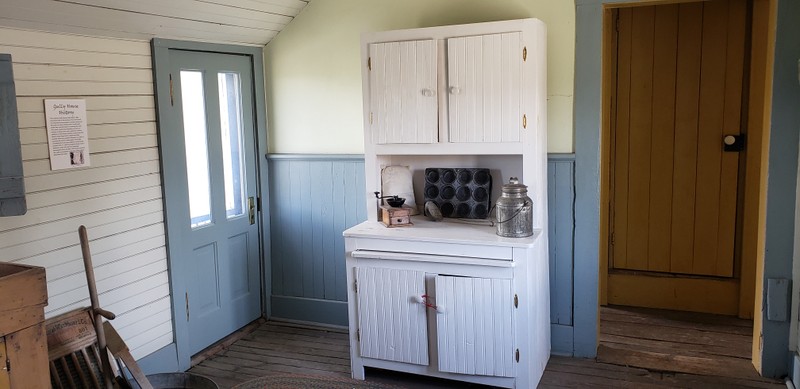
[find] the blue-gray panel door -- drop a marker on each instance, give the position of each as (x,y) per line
(211,195)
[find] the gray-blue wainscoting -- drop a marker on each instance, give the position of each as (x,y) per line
(313,198)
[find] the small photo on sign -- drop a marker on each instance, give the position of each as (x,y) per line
(76,158)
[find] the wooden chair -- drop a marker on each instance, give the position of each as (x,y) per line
(75,358)
(72,348)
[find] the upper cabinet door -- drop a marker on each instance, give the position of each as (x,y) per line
(484,87)
(403,102)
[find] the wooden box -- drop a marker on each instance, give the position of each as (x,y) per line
(396,217)
(23,342)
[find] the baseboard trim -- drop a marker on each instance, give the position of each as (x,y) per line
(302,309)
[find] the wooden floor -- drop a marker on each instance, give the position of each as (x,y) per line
(638,348)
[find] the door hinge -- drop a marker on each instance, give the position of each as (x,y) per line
(516,355)
(369,63)
(516,301)
(524,53)
(171,92)
(8,365)
(612,238)
(370,118)
(358,335)
(355,286)
(187,306)
(524,121)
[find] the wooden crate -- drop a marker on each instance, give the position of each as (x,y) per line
(23,342)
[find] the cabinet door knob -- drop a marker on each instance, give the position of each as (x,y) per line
(454,90)
(427,92)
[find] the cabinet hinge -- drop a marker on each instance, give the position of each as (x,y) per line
(516,301)
(355,286)
(524,53)
(370,118)
(171,92)
(516,355)
(358,335)
(187,306)
(524,121)
(369,63)
(8,365)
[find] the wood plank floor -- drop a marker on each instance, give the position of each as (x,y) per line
(639,348)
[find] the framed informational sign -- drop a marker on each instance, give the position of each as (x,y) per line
(67,134)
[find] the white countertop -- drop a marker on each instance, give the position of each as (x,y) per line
(446,231)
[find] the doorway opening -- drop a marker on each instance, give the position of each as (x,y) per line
(680,175)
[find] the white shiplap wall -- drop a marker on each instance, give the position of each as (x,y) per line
(118,198)
(247,22)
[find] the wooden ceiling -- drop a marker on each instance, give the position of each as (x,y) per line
(249,22)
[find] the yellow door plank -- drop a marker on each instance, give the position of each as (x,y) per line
(709,142)
(641,120)
(711,295)
(686,116)
(620,136)
(737,17)
(664,61)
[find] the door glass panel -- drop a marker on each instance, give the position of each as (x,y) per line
(195,134)
(230,113)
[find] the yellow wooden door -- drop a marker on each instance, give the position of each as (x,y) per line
(679,89)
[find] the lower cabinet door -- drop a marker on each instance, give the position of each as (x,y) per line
(474,324)
(391,319)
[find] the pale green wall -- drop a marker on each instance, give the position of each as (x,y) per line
(312,67)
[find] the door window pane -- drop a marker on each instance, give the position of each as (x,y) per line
(195,134)
(230,113)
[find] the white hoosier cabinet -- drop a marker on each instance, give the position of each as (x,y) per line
(452,299)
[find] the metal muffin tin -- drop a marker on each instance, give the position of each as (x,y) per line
(459,192)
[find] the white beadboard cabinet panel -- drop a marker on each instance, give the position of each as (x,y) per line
(475,332)
(118,198)
(393,325)
(485,88)
(403,84)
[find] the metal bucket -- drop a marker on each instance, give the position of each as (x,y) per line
(179,381)
(514,210)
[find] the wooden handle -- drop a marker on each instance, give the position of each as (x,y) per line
(106,314)
(98,321)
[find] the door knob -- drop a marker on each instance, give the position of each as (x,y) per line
(733,143)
